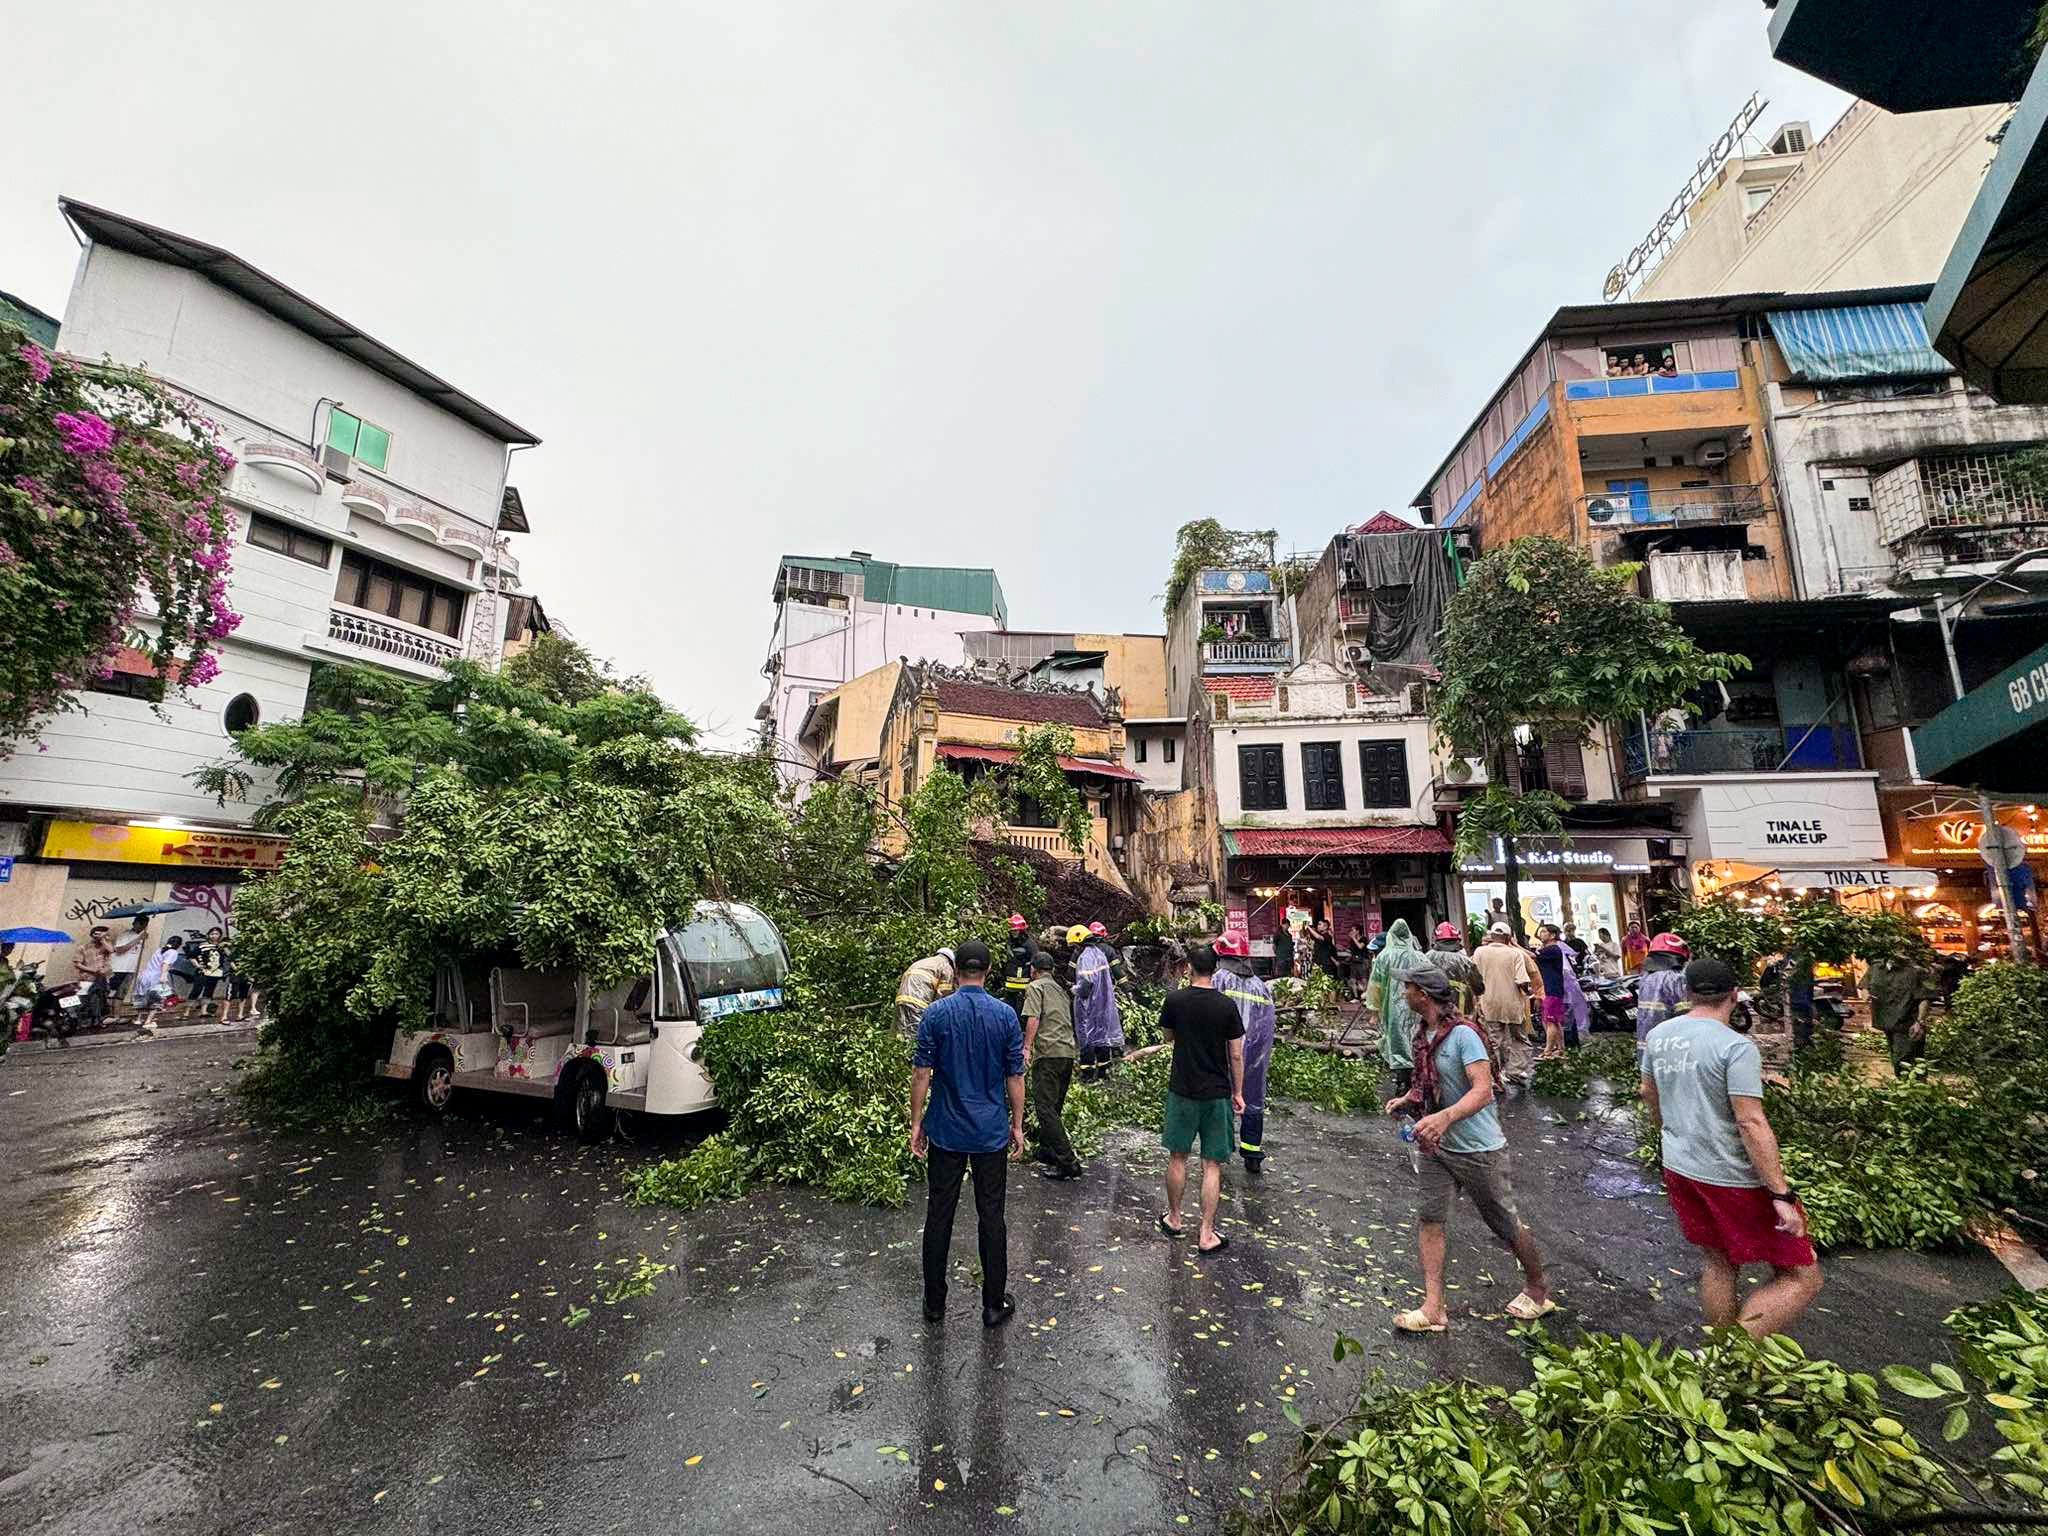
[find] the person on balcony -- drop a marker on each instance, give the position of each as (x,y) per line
(1098,1023)
(1667,366)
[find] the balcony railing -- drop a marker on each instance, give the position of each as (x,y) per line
(368,633)
(1738,749)
(1628,385)
(1353,609)
(1043,840)
(1647,511)
(1266,654)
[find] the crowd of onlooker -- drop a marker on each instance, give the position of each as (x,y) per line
(1622,365)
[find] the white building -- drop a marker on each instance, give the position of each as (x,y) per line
(838,618)
(1875,201)
(372,501)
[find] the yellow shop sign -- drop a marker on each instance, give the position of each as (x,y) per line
(177,847)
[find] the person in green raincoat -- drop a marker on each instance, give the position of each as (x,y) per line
(1386,996)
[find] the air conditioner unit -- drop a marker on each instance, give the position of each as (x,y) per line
(1713,451)
(1602,509)
(1358,655)
(1458,771)
(339,465)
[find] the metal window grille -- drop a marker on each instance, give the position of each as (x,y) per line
(1965,490)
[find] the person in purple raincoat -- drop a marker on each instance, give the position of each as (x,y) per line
(1236,980)
(1098,1024)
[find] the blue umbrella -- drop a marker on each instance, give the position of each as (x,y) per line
(144,909)
(33,936)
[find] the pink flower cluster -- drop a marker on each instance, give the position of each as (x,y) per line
(84,434)
(38,364)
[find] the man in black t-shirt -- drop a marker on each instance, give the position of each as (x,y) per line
(1206,1084)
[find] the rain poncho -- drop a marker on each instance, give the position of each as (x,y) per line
(1576,1005)
(1254,1001)
(1098,1025)
(1383,995)
(1659,994)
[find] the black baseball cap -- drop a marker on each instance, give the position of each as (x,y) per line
(971,956)
(1709,979)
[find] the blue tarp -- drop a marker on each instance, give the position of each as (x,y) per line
(1857,341)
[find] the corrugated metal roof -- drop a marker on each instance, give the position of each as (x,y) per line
(229,271)
(27,319)
(1299,842)
(950,588)
(1857,341)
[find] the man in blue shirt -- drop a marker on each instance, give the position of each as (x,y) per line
(966,1071)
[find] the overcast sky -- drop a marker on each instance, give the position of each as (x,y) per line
(1025,284)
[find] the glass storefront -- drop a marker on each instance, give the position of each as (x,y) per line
(1589,904)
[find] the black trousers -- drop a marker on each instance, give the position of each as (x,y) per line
(1050,1080)
(942,1199)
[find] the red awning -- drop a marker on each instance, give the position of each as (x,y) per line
(1300,842)
(1100,767)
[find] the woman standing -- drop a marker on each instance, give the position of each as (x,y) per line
(1635,948)
(153,984)
(1606,957)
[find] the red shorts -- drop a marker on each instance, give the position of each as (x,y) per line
(1553,1010)
(1740,1224)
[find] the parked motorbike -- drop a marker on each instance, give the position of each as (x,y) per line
(50,1012)
(1612,1005)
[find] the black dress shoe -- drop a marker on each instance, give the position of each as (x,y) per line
(995,1317)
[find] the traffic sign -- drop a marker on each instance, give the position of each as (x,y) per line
(2001,847)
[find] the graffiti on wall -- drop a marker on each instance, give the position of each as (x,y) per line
(94,909)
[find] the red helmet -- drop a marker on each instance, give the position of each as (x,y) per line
(1098,930)
(1670,944)
(1234,944)
(1017,922)
(1448,931)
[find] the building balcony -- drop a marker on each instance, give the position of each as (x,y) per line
(1640,510)
(1042,840)
(1634,386)
(382,640)
(1659,753)
(1244,655)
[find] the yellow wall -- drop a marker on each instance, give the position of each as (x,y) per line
(1135,665)
(863,707)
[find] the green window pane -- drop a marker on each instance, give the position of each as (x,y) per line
(373,446)
(341,430)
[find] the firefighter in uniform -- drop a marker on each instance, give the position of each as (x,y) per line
(1017,969)
(923,984)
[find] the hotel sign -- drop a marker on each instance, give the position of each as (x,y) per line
(1671,223)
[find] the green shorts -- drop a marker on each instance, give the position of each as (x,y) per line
(1207,1118)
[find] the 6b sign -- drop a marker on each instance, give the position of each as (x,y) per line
(2029,691)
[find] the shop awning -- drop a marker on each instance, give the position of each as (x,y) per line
(1857,341)
(1994,737)
(1907,55)
(1858,877)
(1301,842)
(1988,305)
(1101,767)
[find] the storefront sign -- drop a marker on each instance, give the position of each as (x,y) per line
(1671,223)
(1857,877)
(1624,856)
(1236,921)
(1414,888)
(1960,834)
(179,847)
(6,870)
(1789,819)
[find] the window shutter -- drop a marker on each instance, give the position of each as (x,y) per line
(1564,765)
(1383,774)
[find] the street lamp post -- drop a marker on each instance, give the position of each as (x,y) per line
(1945,615)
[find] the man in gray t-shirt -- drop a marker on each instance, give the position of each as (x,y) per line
(1704,1085)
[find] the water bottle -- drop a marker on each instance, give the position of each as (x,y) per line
(1414,1147)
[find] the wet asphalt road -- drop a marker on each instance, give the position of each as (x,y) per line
(204,1328)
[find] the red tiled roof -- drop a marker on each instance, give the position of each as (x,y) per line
(1018,704)
(1101,766)
(1384,522)
(1292,842)
(1250,688)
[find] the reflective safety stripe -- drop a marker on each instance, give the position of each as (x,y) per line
(1016,985)
(1247,1146)
(1250,997)
(915,1002)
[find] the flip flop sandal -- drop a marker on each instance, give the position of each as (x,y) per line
(1528,1309)
(1221,1244)
(1418,1321)
(1170,1230)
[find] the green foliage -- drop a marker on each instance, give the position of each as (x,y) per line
(2004,1346)
(1206,544)
(1539,634)
(111,490)
(1131,1094)
(1998,1019)
(1341,1084)
(1903,1163)
(1724,929)
(939,872)
(1505,813)
(718,1168)
(564,669)
(1037,773)
(1617,1436)
(1612,1060)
